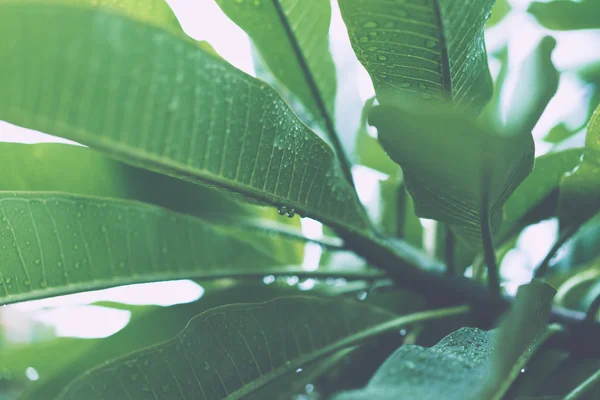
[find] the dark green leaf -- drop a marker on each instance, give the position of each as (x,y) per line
(565,15)
(442,156)
(308,24)
(54,243)
(433,50)
(580,190)
(242,349)
(469,363)
(89,76)
(537,83)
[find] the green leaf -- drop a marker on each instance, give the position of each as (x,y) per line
(541,183)
(276,27)
(580,190)
(565,15)
(243,348)
(559,133)
(469,363)
(499,11)
(537,83)
(54,243)
(442,156)
(433,50)
(78,170)
(157,100)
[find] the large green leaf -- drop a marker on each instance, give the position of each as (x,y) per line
(541,183)
(55,243)
(292,35)
(433,49)
(537,83)
(79,170)
(580,190)
(235,351)
(469,363)
(157,100)
(443,157)
(567,15)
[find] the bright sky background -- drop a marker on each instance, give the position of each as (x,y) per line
(202,19)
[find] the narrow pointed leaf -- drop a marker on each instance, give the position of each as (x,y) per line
(274,26)
(442,158)
(468,364)
(563,15)
(157,100)
(54,244)
(537,83)
(235,351)
(580,190)
(431,49)
(541,183)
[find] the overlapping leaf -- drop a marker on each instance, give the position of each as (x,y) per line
(443,158)
(432,49)
(580,190)
(291,35)
(469,363)
(233,351)
(154,99)
(55,243)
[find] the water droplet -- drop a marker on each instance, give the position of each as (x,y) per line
(522,370)
(32,374)
(37,262)
(370,24)
(422,86)
(8,279)
(290,213)
(27,282)
(403,332)
(363,39)
(267,280)
(299,370)
(134,377)
(174,104)
(75,246)
(282,210)
(145,388)
(206,366)
(383,75)
(430,43)
(373,33)
(361,295)
(381,57)
(166,388)
(43,284)
(410,364)
(404,84)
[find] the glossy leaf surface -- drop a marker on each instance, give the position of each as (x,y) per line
(183,112)
(275,27)
(432,49)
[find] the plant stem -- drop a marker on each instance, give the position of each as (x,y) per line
(545,264)
(584,387)
(450,253)
(489,253)
(316,93)
(593,310)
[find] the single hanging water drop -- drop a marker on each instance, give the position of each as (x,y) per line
(282,210)
(290,213)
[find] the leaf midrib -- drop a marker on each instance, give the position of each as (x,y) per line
(445,60)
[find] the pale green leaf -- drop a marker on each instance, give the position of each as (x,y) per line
(470,363)
(567,15)
(443,158)
(537,82)
(430,49)
(236,351)
(157,100)
(276,27)
(580,190)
